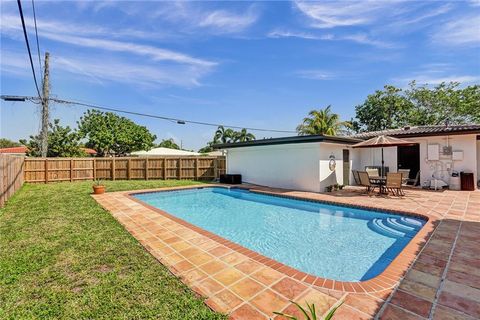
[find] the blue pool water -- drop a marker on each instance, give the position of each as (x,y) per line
(328,241)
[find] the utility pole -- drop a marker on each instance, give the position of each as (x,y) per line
(45,93)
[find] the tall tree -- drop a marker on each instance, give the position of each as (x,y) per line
(169,143)
(445,102)
(62,142)
(110,134)
(322,121)
(384,109)
(243,135)
(393,107)
(6,143)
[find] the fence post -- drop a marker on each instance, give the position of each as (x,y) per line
(46,170)
(146,168)
(170,168)
(128,169)
(196,168)
(94,169)
(113,168)
(179,167)
(71,170)
(164,168)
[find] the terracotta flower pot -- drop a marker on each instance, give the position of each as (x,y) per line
(98,189)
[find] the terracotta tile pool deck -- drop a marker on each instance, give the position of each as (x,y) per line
(437,276)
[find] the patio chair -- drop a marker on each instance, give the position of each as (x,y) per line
(415,181)
(356,177)
(394,183)
(405,175)
(365,181)
(373,172)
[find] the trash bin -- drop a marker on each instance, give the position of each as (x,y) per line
(454,182)
(466,181)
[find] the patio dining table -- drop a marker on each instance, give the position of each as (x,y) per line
(380,182)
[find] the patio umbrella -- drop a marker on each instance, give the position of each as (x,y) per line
(380,142)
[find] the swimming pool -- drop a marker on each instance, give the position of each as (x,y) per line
(328,241)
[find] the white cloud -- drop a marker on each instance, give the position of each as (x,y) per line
(192,18)
(103,71)
(459,31)
(436,73)
(11,24)
(156,65)
(228,21)
(315,74)
(361,38)
(475,3)
(294,34)
(157,54)
(80,36)
(429,14)
(342,13)
(422,79)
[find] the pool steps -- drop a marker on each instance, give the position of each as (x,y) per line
(395,227)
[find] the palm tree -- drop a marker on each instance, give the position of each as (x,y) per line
(322,122)
(223,135)
(243,135)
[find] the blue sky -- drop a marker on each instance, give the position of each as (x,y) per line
(254,64)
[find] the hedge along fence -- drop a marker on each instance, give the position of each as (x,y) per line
(124,168)
(11,175)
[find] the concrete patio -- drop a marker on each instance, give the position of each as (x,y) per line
(437,276)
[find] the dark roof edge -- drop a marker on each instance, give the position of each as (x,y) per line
(288,140)
(426,134)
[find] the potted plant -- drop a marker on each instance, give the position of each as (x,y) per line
(328,188)
(98,187)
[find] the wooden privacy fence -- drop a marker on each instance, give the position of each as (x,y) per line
(125,168)
(11,175)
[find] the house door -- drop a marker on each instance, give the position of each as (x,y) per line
(408,157)
(346,167)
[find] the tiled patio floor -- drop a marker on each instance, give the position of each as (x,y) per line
(438,280)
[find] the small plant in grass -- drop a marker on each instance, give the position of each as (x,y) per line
(310,313)
(98,187)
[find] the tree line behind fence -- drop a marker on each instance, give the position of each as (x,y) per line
(125,168)
(11,175)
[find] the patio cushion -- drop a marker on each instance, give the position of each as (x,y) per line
(372,172)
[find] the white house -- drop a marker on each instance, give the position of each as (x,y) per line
(311,163)
(165,152)
(308,163)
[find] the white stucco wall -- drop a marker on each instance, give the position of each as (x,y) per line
(467,143)
(373,157)
(302,166)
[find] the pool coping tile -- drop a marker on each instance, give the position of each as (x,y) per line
(210,264)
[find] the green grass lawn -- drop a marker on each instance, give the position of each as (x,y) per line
(63,256)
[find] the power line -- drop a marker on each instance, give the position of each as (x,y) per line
(28,46)
(177,120)
(36,36)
